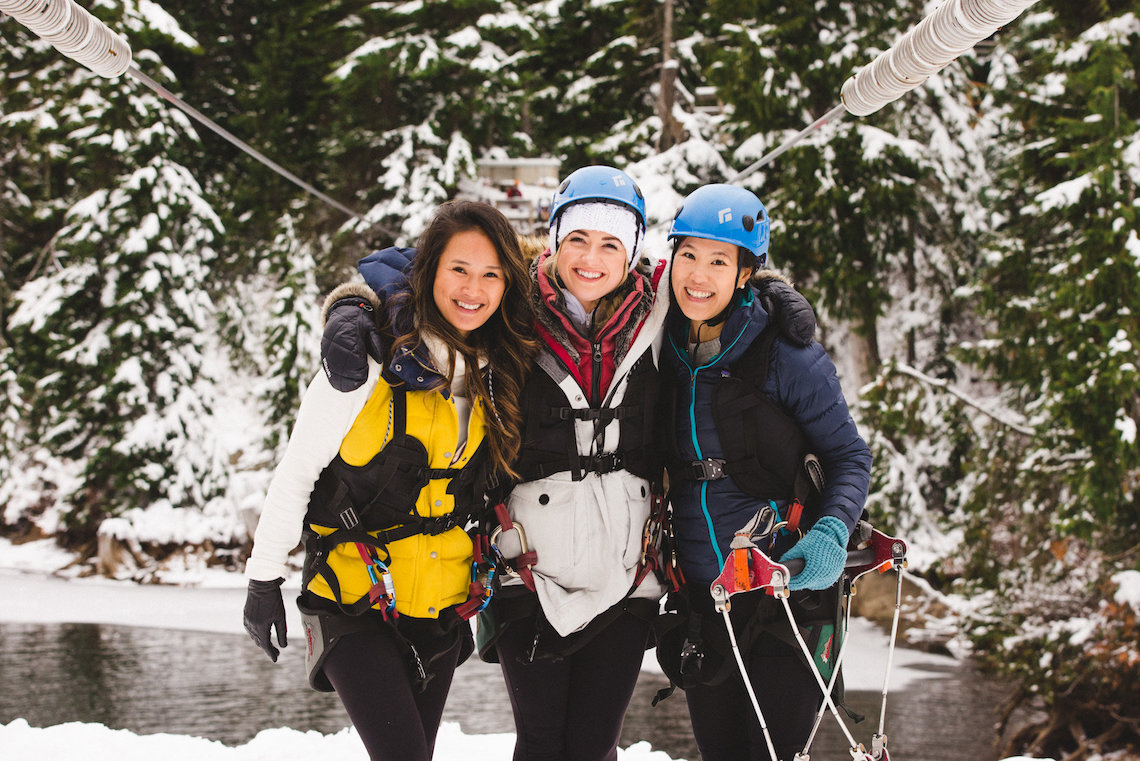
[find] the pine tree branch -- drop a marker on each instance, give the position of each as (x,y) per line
(941,384)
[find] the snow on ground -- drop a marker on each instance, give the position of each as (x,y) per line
(32,591)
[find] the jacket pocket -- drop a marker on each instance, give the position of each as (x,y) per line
(548,512)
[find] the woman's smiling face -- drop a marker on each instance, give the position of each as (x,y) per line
(705,275)
(469,282)
(590,264)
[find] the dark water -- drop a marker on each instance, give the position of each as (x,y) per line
(221,687)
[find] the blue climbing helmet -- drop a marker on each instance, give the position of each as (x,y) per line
(727,213)
(602,191)
(598,183)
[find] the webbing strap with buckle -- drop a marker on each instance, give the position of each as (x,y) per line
(605,415)
(708,469)
(412,524)
(602,462)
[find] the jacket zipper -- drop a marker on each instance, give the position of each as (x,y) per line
(693,433)
(596,376)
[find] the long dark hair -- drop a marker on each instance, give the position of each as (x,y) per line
(506,340)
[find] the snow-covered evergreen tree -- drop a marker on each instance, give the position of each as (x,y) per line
(878,218)
(1059,509)
(595,76)
(34,79)
(108,334)
(1063,277)
(259,70)
(433,85)
(292,340)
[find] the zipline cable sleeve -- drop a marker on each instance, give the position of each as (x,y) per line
(74,32)
(953,28)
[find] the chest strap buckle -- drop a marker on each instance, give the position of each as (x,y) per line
(603,462)
(440,524)
(708,469)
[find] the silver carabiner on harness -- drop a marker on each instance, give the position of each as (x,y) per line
(509,551)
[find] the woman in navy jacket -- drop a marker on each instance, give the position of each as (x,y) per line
(734,456)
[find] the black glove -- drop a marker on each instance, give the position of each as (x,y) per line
(264,609)
(351,336)
(789,310)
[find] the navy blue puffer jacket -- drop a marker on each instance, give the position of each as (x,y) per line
(803,382)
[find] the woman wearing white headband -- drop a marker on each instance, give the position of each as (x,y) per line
(571,631)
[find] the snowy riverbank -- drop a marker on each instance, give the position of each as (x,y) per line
(31,592)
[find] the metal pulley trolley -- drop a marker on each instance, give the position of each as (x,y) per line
(748,569)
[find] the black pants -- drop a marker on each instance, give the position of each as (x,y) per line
(371,675)
(571,708)
(724,722)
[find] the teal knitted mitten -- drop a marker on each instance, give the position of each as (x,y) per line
(824,552)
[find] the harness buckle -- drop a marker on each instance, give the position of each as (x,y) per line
(348,517)
(691,657)
(708,469)
(603,462)
(440,524)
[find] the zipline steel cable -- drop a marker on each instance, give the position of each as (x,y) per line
(953,28)
(79,35)
(195,114)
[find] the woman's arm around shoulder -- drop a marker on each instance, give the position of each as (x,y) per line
(325,416)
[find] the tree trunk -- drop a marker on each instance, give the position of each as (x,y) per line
(671,130)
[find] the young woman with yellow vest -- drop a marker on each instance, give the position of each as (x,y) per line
(381,480)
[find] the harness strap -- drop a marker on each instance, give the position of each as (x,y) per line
(577,465)
(316,564)
(528,558)
(405,524)
(483,570)
(604,415)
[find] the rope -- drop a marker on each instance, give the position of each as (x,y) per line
(73,31)
(953,28)
(748,682)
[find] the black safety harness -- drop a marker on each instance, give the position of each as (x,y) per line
(374,505)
